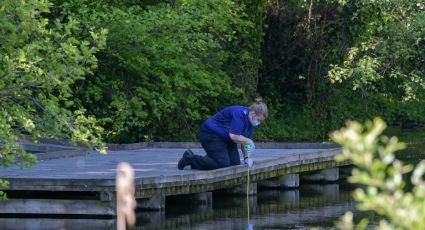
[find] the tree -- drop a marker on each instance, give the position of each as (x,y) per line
(385,60)
(325,61)
(167,66)
(40,59)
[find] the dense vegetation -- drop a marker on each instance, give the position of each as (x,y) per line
(41,60)
(131,71)
(328,61)
(386,189)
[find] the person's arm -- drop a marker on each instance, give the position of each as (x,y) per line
(246,159)
(239,139)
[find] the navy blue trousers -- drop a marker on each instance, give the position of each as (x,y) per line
(220,153)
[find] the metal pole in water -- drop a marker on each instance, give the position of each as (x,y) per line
(249,225)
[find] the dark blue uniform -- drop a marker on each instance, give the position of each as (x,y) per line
(214,137)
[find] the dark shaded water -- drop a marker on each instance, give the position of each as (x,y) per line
(303,208)
(309,206)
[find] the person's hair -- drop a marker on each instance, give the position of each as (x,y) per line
(259,107)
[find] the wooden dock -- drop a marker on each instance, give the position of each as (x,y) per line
(85,184)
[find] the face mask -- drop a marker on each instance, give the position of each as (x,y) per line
(254,122)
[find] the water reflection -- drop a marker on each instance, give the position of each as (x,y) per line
(308,206)
(413,154)
(311,205)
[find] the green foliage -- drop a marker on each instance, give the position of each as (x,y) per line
(387,54)
(325,61)
(385,191)
(289,125)
(40,60)
(167,66)
(302,39)
(245,49)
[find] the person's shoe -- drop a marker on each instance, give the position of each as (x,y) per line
(185,160)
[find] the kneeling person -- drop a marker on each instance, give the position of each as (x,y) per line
(221,134)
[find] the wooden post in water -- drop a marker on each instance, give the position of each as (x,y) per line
(126,202)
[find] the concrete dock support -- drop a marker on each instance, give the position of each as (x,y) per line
(291,197)
(282,182)
(155,203)
(325,175)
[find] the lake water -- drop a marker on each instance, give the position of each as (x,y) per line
(303,208)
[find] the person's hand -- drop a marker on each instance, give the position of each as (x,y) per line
(249,147)
(248,162)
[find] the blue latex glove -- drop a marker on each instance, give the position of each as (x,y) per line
(248,162)
(249,147)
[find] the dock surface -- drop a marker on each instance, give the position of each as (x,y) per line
(148,162)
